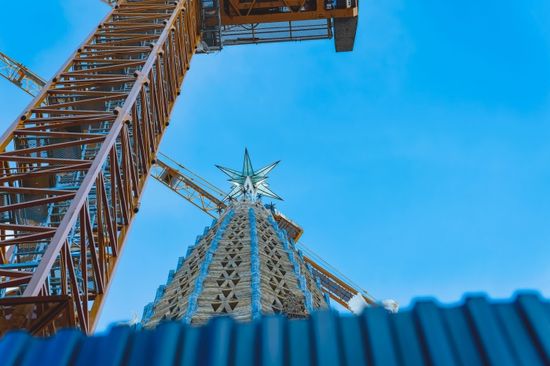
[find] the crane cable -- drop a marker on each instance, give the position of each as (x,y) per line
(334,270)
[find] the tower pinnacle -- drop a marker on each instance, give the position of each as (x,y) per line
(243,265)
(249,183)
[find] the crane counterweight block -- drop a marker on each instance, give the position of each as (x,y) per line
(344,33)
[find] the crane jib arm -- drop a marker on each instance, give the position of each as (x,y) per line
(20,75)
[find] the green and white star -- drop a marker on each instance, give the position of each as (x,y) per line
(249,183)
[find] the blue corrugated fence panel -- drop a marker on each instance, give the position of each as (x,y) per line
(35,348)
(538,321)
(460,335)
(433,333)
(489,332)
(272,340)
(216,342)
(113,349)
(88,353)
(351,341)
(12,346)
(141,346)
(325,339)
(166,343)
(189,354)
(407,340)
(517,333)
(299,342)
(382,348)
(245,344)
(476,333)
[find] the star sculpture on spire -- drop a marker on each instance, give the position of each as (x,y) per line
(249,183)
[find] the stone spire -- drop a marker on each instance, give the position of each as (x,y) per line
(243,265)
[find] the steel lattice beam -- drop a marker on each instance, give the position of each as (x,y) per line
(20,75)
(195,190)
(73,166)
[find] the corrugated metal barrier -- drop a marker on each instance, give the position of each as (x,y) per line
(478,332)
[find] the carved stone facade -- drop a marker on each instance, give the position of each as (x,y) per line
(244,266)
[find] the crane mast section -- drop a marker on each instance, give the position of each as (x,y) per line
(73,166)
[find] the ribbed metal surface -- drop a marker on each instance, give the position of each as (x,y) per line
(478,332)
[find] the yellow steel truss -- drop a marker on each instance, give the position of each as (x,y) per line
(20,75)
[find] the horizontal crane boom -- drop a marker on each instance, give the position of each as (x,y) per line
(237,22)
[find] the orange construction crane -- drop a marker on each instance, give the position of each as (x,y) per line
(211,200)
(74,163)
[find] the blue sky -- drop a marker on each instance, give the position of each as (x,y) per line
(418,164)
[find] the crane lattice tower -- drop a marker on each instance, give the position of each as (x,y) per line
(243,264)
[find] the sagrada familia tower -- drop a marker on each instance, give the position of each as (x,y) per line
(243,264)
